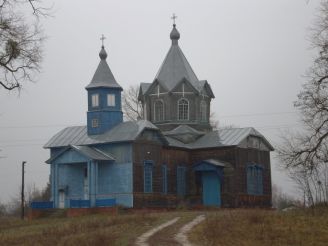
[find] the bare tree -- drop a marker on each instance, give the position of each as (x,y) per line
(21,39)
(132,108)
(305,154)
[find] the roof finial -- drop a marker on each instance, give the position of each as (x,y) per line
(102,53)
(102,40)
(174,35)
(173,18)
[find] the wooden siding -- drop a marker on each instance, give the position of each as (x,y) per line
(233,188)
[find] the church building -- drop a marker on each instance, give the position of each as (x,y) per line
(171,157)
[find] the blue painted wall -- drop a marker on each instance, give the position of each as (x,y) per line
(115,181)
(107,179)
(107,116)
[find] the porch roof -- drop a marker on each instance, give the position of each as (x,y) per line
(210,164)
(91,153)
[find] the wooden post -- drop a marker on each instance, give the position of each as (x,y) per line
(22,195)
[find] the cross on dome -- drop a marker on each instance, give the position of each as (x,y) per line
(102,39)
(173,18)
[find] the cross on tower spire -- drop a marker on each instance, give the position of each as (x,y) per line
(173,18)
(102,39)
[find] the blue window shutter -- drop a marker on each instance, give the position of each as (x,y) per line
(148,177)
(260,181)
(181,181)
(164,184)
(254,180)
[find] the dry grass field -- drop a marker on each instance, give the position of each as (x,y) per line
(261,227)
(221,227)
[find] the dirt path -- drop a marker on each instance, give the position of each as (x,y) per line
(175,233)
(142,240)
(181,237)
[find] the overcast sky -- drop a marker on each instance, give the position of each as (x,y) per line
(253,53)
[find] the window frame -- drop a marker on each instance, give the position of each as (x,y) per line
(183,109)
(156,112)
(254,175)
(203,111)
(95,100)
(164,179)
(111,100)
(95,123)
(148,180)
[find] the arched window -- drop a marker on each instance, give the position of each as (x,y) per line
(203,117)
(254,180)
(183,109)
(159,111)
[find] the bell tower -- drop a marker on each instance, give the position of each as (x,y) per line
(104,98)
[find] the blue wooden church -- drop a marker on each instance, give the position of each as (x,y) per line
(169,157)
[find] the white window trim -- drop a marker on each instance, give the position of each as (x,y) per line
(160,100)
(188,109)
(95,100)
(109,102)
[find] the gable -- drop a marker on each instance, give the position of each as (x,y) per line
(255,142)
(68,156)
(152,136)
(156,88)
(184,86)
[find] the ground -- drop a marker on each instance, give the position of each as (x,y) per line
(220,227)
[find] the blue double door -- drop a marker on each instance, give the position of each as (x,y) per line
(211,188)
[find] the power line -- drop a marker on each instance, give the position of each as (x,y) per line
(257,114)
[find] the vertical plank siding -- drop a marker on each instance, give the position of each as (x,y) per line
(233,187)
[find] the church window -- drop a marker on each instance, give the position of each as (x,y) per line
(181,181)
(94,123)
(111,100)
(95,100)
(164,181)
(159,111)
(183,109)
(203,117)
(148,177)
(254,180)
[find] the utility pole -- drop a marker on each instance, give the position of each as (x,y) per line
(22,196)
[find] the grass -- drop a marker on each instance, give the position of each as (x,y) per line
(85,230)
(222,227)
(261,227)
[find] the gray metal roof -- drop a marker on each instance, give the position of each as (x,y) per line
(174,68)
(143,88)
(183,129)
(221,138)
(93,153)
(216,162)
(103,76)
(77,135)
(89,152)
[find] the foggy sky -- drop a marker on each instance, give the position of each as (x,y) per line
(253,53)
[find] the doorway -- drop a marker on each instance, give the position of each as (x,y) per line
(211,188)
(61,199)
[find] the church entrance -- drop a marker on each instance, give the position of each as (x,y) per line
(210,173)
(211,188)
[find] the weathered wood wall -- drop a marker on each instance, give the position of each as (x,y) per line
(233,189)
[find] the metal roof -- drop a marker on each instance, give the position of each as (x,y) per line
(143,88)
(221,138)
(77,135)
(103,76)
(93,153)
(89,152)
